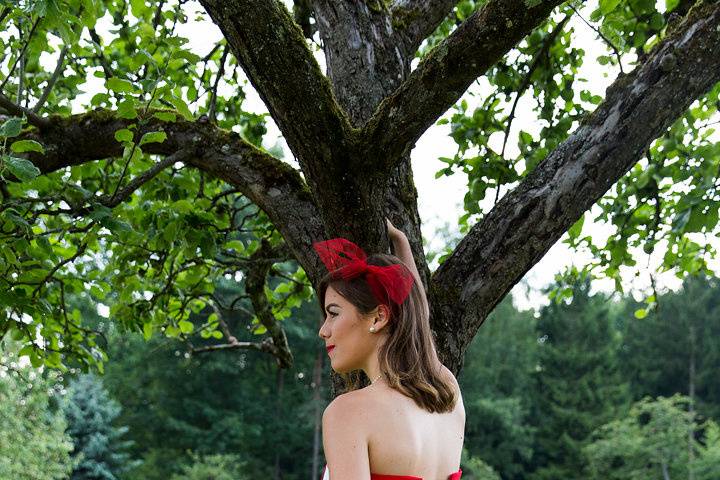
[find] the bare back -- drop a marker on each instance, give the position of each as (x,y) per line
(404,439)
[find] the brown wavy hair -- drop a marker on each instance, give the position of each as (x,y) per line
(409,357)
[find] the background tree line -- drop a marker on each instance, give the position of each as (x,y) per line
(588,387)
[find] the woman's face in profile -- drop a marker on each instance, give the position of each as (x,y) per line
(346,329)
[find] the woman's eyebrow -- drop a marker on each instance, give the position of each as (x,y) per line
(327,307)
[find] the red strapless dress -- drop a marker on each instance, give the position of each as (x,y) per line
(377,476)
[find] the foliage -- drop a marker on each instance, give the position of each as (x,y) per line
(666,200)
(33,442)
(495,380)
(652,441)
(90,414)
(674,347)
(473,468)
(228,403)
(577,383)
(157,256)
(217,467)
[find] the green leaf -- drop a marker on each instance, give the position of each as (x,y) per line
(138,8)
(172,331)
(11,127)
(153,137)
(88,15)
(641,313)
(165,116)
(576,229)
(126,109)
(181,106)
(27,146)
(124,135)
(680,220)
(607,6)
(21,168)
(147,330)
(185,326)
(118,85)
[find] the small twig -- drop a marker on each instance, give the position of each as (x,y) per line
(19,111)
(107,69)
(229,346)
(57,267)
(526,83)
(52,80)
(21,55)
(708,124)
(221,70)
(123,193)
(158,14)
(605,39)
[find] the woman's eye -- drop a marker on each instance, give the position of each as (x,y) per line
(333,314)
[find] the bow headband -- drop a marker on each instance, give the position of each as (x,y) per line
(346,261)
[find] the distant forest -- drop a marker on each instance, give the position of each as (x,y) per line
(589,387)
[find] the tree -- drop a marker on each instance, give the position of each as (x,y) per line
(99,448)
(33,442)
(216,467)
(578,384)
(151,171)
(676,347)
(218,403)
(651,442)
(495,380)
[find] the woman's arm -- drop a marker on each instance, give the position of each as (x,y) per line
(402,249)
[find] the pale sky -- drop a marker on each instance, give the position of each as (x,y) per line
(440,200)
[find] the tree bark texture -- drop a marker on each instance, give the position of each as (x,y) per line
(352,132)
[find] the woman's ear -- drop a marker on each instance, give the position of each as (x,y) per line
(382,317)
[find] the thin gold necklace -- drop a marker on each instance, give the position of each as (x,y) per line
(372,382)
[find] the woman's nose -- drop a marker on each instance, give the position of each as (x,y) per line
(321,332)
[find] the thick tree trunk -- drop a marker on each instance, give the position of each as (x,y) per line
(352,135)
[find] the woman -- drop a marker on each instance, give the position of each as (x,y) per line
(409,423)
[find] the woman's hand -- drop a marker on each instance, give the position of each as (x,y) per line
(394,234)
(401,245)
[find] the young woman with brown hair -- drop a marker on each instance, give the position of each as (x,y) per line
(408,424)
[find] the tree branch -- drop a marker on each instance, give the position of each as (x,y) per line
(272,51)
(52,80)
(272,185)
(122,194)
(414,20)
(638,108)
(19,111)
(302,12)
(255,287)
(446,73)
(20,55)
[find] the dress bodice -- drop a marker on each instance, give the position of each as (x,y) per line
(377,476)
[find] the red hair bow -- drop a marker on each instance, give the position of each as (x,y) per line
(345,260)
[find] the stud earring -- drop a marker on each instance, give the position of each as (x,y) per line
(372,329)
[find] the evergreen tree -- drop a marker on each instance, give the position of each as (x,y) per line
(578,386)
(214,467)
(676,349)
(90,413)
(33,442)
(231,402)
(495,380)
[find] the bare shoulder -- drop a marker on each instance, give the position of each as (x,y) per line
(346,409)
(451,376)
